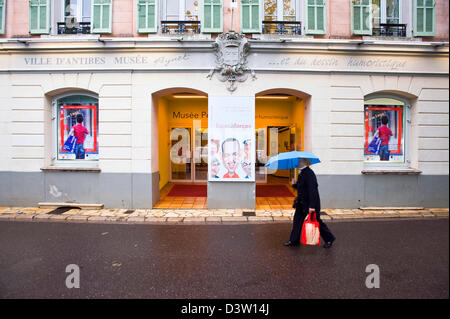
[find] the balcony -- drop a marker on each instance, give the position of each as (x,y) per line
(390,30)
(282,27)
(180,27)
(75,28)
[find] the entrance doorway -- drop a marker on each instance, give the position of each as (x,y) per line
(279,122)
(183,149)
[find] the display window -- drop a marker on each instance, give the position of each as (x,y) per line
(77,130)
(384,132)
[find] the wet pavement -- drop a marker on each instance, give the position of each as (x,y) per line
(223,261)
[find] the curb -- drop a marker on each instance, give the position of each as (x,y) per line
(203,217)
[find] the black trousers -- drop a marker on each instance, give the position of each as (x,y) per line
(299,217)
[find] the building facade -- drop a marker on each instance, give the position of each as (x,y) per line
(322,75)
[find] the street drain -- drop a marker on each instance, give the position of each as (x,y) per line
(129,211)
(61,210)
(248,213)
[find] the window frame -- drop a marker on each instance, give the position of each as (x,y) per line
(352,13)
(102,29)
(383,11)
(260,18)
(204,29)
(280,13)
(181,10)
(157,24)
(46,30)
(55,161)
(424,33)
(3,15)
(406,125)
(316,31)
(79,11)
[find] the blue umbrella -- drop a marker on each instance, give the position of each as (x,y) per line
(290,160)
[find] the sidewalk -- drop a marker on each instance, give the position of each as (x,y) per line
(204,216)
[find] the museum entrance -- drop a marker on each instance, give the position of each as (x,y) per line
(279,125)
(183,149)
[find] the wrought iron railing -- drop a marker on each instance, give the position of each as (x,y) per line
(390,30)
(76,28)
(282,27)
(180,27)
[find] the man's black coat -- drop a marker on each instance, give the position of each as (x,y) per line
(307,189)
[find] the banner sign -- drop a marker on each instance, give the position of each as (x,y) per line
(231,134)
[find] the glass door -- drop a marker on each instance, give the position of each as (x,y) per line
(180,154)
(201,154)
(187,165)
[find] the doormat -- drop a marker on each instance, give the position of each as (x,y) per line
(273,191)
(188,191)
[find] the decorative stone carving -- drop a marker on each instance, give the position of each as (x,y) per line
(231,51)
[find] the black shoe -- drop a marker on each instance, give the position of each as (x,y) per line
(290,244)
(329,244)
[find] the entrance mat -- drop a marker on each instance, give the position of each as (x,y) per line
(188,191)
(273,191)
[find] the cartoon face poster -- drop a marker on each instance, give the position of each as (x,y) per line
(231,138)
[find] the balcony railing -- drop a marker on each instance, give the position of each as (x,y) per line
(282,27)
(390,30)
(77,28)
(180,27)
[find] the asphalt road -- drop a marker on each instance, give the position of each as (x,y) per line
(223,261)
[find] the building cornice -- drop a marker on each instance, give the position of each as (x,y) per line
(180,44)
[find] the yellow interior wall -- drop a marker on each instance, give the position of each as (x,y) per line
(197,107)
(277,113)
(298,120)
(163,138)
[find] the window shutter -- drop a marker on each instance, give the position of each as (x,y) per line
(212,16)
(424,18)
(147,16)
(39,16)
(316,17)
(2,16)
(101,16)
(361,17)
(250,16)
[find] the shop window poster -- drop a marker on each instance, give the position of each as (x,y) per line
(80,121)
(385,123)
(231,139)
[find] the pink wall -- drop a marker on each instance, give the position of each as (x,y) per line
(442,20)
(124,19)
(227,16)
(338,22)
(16,19)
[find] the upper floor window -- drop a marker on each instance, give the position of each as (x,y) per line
(191,16)
(424,17)
(283,16)
(280,10)
(392,17)
(386,11)
(2,16)
(387,18)
(70,16)
(76,17)
(181,10)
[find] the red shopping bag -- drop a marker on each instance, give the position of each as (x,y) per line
(310,230)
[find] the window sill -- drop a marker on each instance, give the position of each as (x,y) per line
(405,171)
(70,169)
